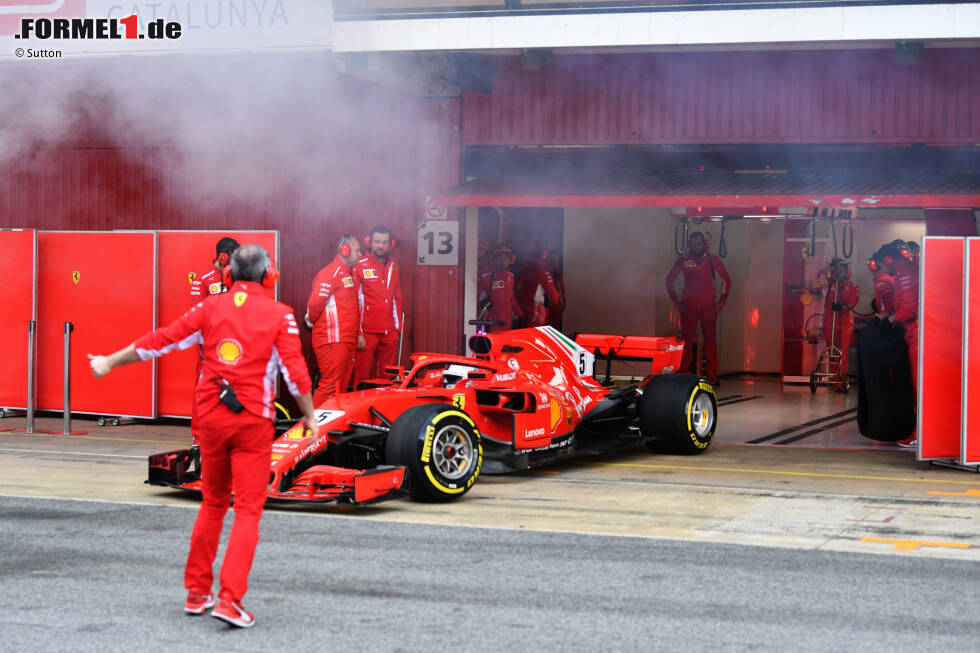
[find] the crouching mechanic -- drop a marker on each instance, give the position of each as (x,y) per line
(245,335)
(332,312)
(380,300)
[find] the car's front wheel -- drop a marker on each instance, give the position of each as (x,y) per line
(440,447)
(680,412)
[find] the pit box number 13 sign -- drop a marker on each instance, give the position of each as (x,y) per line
(438,242)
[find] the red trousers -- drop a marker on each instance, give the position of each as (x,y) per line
(691,316)
(336,361)
(379,353)
(235,455)
(195,430)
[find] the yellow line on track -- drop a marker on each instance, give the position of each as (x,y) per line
(912,545)
(785,473)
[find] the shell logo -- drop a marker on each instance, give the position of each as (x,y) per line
(229,351)
(555,414)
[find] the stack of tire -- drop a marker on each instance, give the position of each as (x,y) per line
(886,402)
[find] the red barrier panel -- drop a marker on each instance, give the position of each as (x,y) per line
(18,269)
(102,282)
(940,347)
(183,253)
(970,437)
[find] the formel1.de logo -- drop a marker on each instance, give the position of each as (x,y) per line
(11,12)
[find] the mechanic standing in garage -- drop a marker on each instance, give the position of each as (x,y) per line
(334,315)
(898,261)
(698,304)
(245,335)
(495,292)
(204,285)
(380,303)
(536,288)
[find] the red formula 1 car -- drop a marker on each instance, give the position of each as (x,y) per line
(524,398)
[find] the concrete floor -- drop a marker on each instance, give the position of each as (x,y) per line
(821,486)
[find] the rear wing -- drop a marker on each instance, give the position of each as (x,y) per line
(664,353)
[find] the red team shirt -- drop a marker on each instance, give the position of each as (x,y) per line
(699,282)
(246,337)
(379,294)
(333,305)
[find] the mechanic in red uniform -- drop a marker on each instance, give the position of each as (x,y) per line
(380,302)
(883,287)
(698,304)
(553,265)
(332,312)
(204,285)
(899,262)
(246,336)
(495,291)
(536,289)
(838,311)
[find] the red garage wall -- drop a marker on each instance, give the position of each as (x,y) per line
(831,96)
(379,171)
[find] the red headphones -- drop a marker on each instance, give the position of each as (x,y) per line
(344,250)
(873,264)
(269,278)
(223,259)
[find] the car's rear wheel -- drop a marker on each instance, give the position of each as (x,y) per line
(440,447)
(680,412)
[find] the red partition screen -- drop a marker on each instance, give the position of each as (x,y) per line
(182,254)
(102,282)
(970,437)
(940,347)
(18,269)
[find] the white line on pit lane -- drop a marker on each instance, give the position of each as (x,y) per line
(73,453)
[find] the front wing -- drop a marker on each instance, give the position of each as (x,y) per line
(181,469)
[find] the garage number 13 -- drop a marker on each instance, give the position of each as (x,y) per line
(445,242)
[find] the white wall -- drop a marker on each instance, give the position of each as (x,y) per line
(616,262)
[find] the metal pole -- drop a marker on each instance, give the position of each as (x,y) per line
(401,334)
(69,327)
(31,330)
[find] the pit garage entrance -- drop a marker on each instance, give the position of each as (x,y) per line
(616,220)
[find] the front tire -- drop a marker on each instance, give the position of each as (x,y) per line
(440,447)
(680,411)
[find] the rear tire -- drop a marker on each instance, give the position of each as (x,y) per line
(813,384)
(440,447)
(681,411)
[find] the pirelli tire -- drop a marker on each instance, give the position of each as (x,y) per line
(680,413)
(440,447)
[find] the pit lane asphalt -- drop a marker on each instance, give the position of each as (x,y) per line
(523,560)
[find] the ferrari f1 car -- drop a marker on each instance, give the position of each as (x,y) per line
(524,398)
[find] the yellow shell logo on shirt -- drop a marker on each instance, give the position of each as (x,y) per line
(229,351)
(240,298)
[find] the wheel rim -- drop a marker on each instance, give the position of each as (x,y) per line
(702,415)
(452,452)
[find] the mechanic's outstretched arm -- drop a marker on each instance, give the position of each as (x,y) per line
(102,365)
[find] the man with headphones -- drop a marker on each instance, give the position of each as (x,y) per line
(884,287)
(380,301)
(333,313)
(536,289)
(209,283)
(699,304)
(898,261)
(495,291)
(203,286)
(246,335)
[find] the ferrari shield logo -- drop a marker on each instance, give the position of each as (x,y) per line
(76,276)
(190,277)
(240,298)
